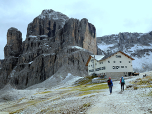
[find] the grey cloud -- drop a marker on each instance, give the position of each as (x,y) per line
(12,16)
(83,9)
(149,28)
(129,23)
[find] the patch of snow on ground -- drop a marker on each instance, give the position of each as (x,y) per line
(70,79)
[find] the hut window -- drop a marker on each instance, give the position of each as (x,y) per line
(118,56)
(101,62)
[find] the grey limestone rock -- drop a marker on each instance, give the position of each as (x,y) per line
(14,43)
(54,43)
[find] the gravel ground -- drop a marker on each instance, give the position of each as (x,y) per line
(127,102)
(64,99)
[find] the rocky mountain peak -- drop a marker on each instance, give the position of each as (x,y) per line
(51,14)
(13,29)
(55,46)
(47,23)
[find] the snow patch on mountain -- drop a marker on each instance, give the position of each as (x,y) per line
(31,36)
(143,63)
(51,14)
(104,46)
(136,45)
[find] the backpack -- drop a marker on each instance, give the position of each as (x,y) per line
(109,82)
(122,80)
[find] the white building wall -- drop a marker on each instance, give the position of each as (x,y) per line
(96,65)
(120,62)
(91,65)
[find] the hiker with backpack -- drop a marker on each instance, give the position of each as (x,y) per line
(122,82)
(110,84)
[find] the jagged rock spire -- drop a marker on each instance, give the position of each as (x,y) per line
(14,42)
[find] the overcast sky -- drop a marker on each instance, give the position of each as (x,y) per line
(108,16)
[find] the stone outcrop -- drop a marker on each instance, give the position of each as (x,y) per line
(54,44)
(1,62)
(14,43)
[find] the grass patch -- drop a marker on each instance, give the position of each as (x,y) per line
(147,86)
(92,95)
(149,77)
(88,88)
(94,87)
(21,99)
(44,92)
(85,80)
(47,111)
(22,106)
(87,92)
(143,81)
(150,94)
(87,104)
(135,87)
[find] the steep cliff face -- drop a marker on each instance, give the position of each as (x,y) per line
(137,45)
(47,23)
(1,62)
(14,43)
(54,44)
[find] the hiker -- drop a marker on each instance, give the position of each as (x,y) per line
(122,82)
(110,84)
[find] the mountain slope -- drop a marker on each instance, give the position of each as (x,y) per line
(136,45)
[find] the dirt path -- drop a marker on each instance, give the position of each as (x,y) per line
(126,102)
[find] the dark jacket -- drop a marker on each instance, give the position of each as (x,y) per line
(111,83)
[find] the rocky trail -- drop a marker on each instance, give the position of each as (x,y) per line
(127,102)
(83,99)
